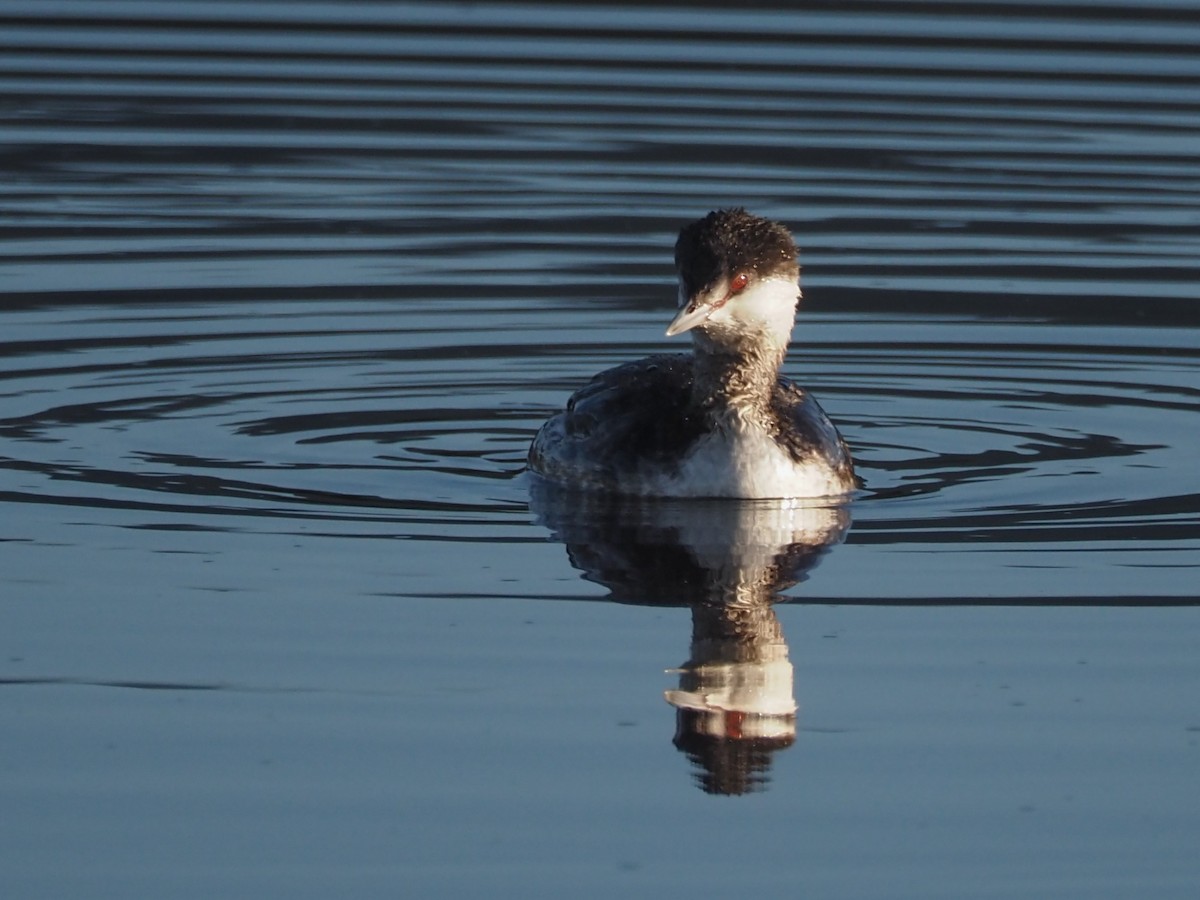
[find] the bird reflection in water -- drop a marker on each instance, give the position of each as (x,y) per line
(728,561)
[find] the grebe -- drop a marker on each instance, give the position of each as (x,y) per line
(721,421)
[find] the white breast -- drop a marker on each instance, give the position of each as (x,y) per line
(747,464)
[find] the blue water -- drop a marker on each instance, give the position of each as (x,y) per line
(285,290)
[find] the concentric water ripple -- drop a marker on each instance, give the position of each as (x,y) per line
(968,434)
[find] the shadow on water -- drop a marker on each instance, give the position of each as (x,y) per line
(728,562)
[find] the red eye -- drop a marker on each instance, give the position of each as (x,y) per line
(740,280)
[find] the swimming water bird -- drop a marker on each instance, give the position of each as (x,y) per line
(720,421)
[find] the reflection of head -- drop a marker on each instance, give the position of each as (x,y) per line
(735,703)
(727,765)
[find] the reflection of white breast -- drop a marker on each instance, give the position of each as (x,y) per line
(748,538)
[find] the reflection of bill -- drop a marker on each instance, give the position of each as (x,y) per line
(728,561)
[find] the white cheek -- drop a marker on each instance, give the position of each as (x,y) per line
(768,306)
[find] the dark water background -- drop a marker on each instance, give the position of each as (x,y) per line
(285,289)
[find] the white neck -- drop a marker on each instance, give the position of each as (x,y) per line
(740,348)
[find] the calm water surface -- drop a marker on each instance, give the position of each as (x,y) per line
(285,289)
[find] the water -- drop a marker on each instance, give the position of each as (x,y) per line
(287,288)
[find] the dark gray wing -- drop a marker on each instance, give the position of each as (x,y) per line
(624,419)
(805,430)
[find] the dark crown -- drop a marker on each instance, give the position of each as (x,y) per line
(728,241)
